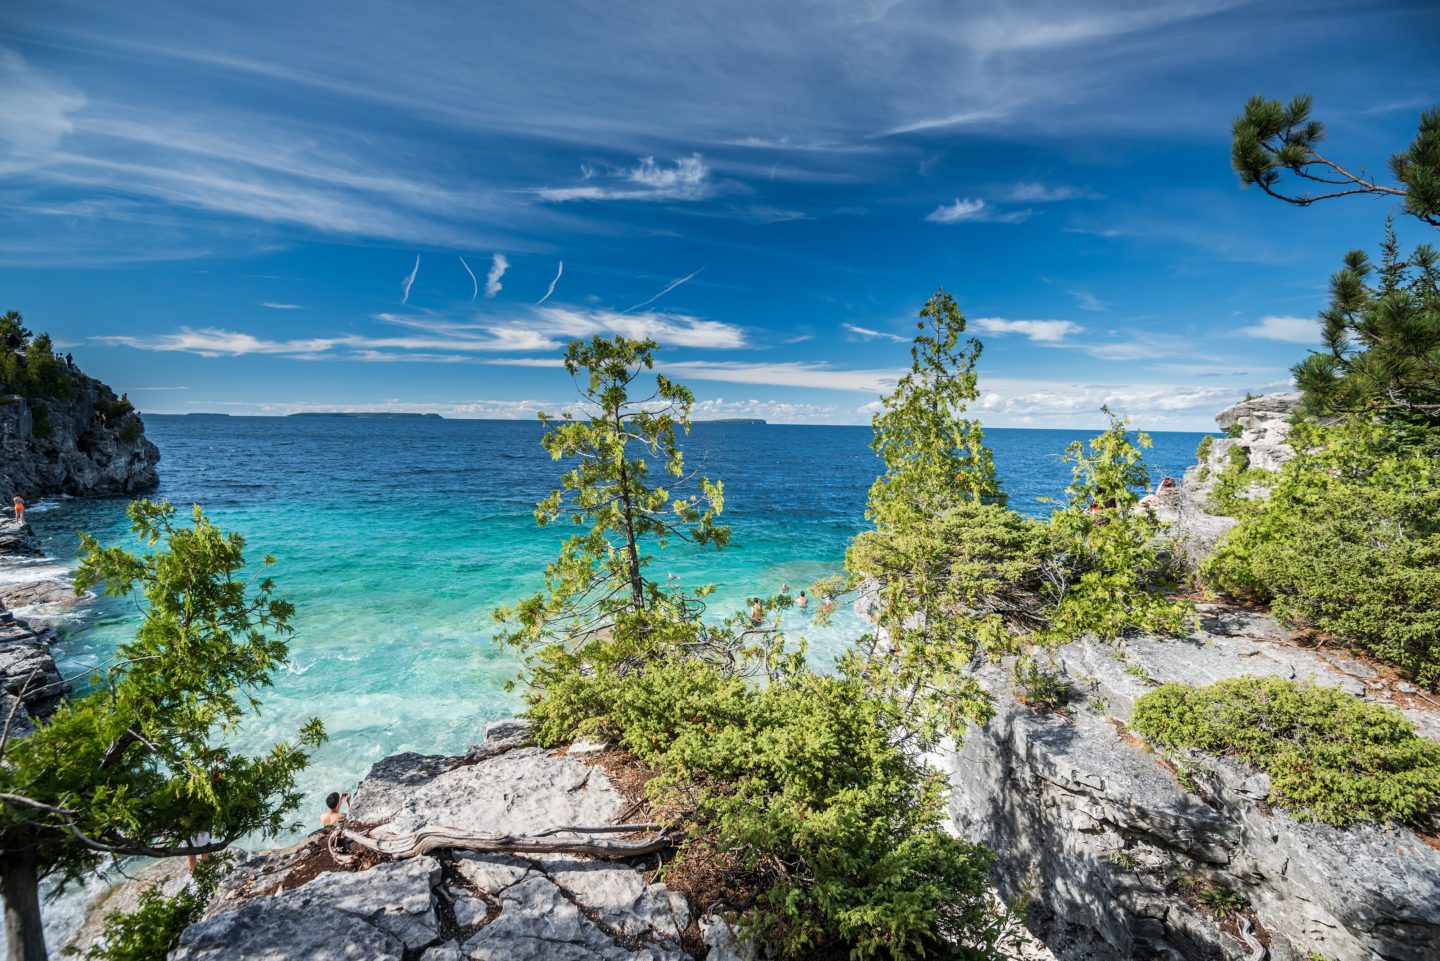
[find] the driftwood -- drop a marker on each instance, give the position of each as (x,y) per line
(581,840)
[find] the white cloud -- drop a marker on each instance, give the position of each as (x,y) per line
(665,290)
(37,114)
(1039,193)
(973,209)
(1291,330)
(283,306)
(498,265)
(869,334)
(1088,301)
(787,374)
(409,281)
(1039,331)
(559,269)
(1060,404)
(688,179)
(438,340)
(474,284)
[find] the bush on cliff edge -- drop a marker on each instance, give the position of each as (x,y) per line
(1330,756)
(1348,542)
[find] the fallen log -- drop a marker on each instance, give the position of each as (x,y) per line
(580,840)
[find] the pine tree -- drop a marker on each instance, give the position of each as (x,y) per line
(597,601)
(1382,342)
(1270,137)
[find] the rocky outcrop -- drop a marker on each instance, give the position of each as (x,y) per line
(1119,848)
(81,445)
(30,683)
(1116,842)
(303,904)
(1262,427)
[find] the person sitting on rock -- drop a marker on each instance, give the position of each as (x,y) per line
(335,815)
(19,510)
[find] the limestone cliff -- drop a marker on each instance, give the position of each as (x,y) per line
(87,444)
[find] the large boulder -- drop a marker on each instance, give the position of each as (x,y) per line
(453,906)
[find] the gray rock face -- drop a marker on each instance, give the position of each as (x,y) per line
(1106,834)
(83,454)
(455,906)
(1264,424)
(30,684)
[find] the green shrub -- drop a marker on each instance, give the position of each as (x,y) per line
(1348,542)
(1227,496)
(153,929)
(1202,453)
(798,783)
(1330,756)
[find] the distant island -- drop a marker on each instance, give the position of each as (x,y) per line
(732,420)
(388,415)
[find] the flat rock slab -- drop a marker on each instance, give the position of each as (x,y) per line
(458,905)
(521,791)
(380,913)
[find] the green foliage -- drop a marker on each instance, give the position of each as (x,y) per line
(1202,453)
(1228,495)
(138,766)
(596,595)
(1330,756)
(1348,542)
(1039,684)
(1222,901)
(935,458)
(1271,137)
(1382,343)
(153,929)
(788,779)
(32,371)
(1105,572)
(798,781)
(12,325)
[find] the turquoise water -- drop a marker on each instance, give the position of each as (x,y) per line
(396,538)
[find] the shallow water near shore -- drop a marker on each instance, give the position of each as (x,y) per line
(396,538)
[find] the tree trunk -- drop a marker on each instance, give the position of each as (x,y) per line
(632,550)
(20,887)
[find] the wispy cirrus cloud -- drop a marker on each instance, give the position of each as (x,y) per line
(788,374)
(274,306)
(1033,192)
(559,269)
(409,281)
(974,210)
(665,290)
(1088,301)
(1289,330)
(687,179)
(1038,331)
(498,265)
(869,334)
(442,340)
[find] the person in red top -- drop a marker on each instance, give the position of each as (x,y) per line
(19,510)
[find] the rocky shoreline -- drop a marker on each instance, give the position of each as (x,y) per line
(32,591)
(304,902)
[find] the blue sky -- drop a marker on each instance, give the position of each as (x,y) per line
(222,206)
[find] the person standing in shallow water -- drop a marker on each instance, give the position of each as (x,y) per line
(802,601)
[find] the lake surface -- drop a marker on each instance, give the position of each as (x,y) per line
(396,538)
